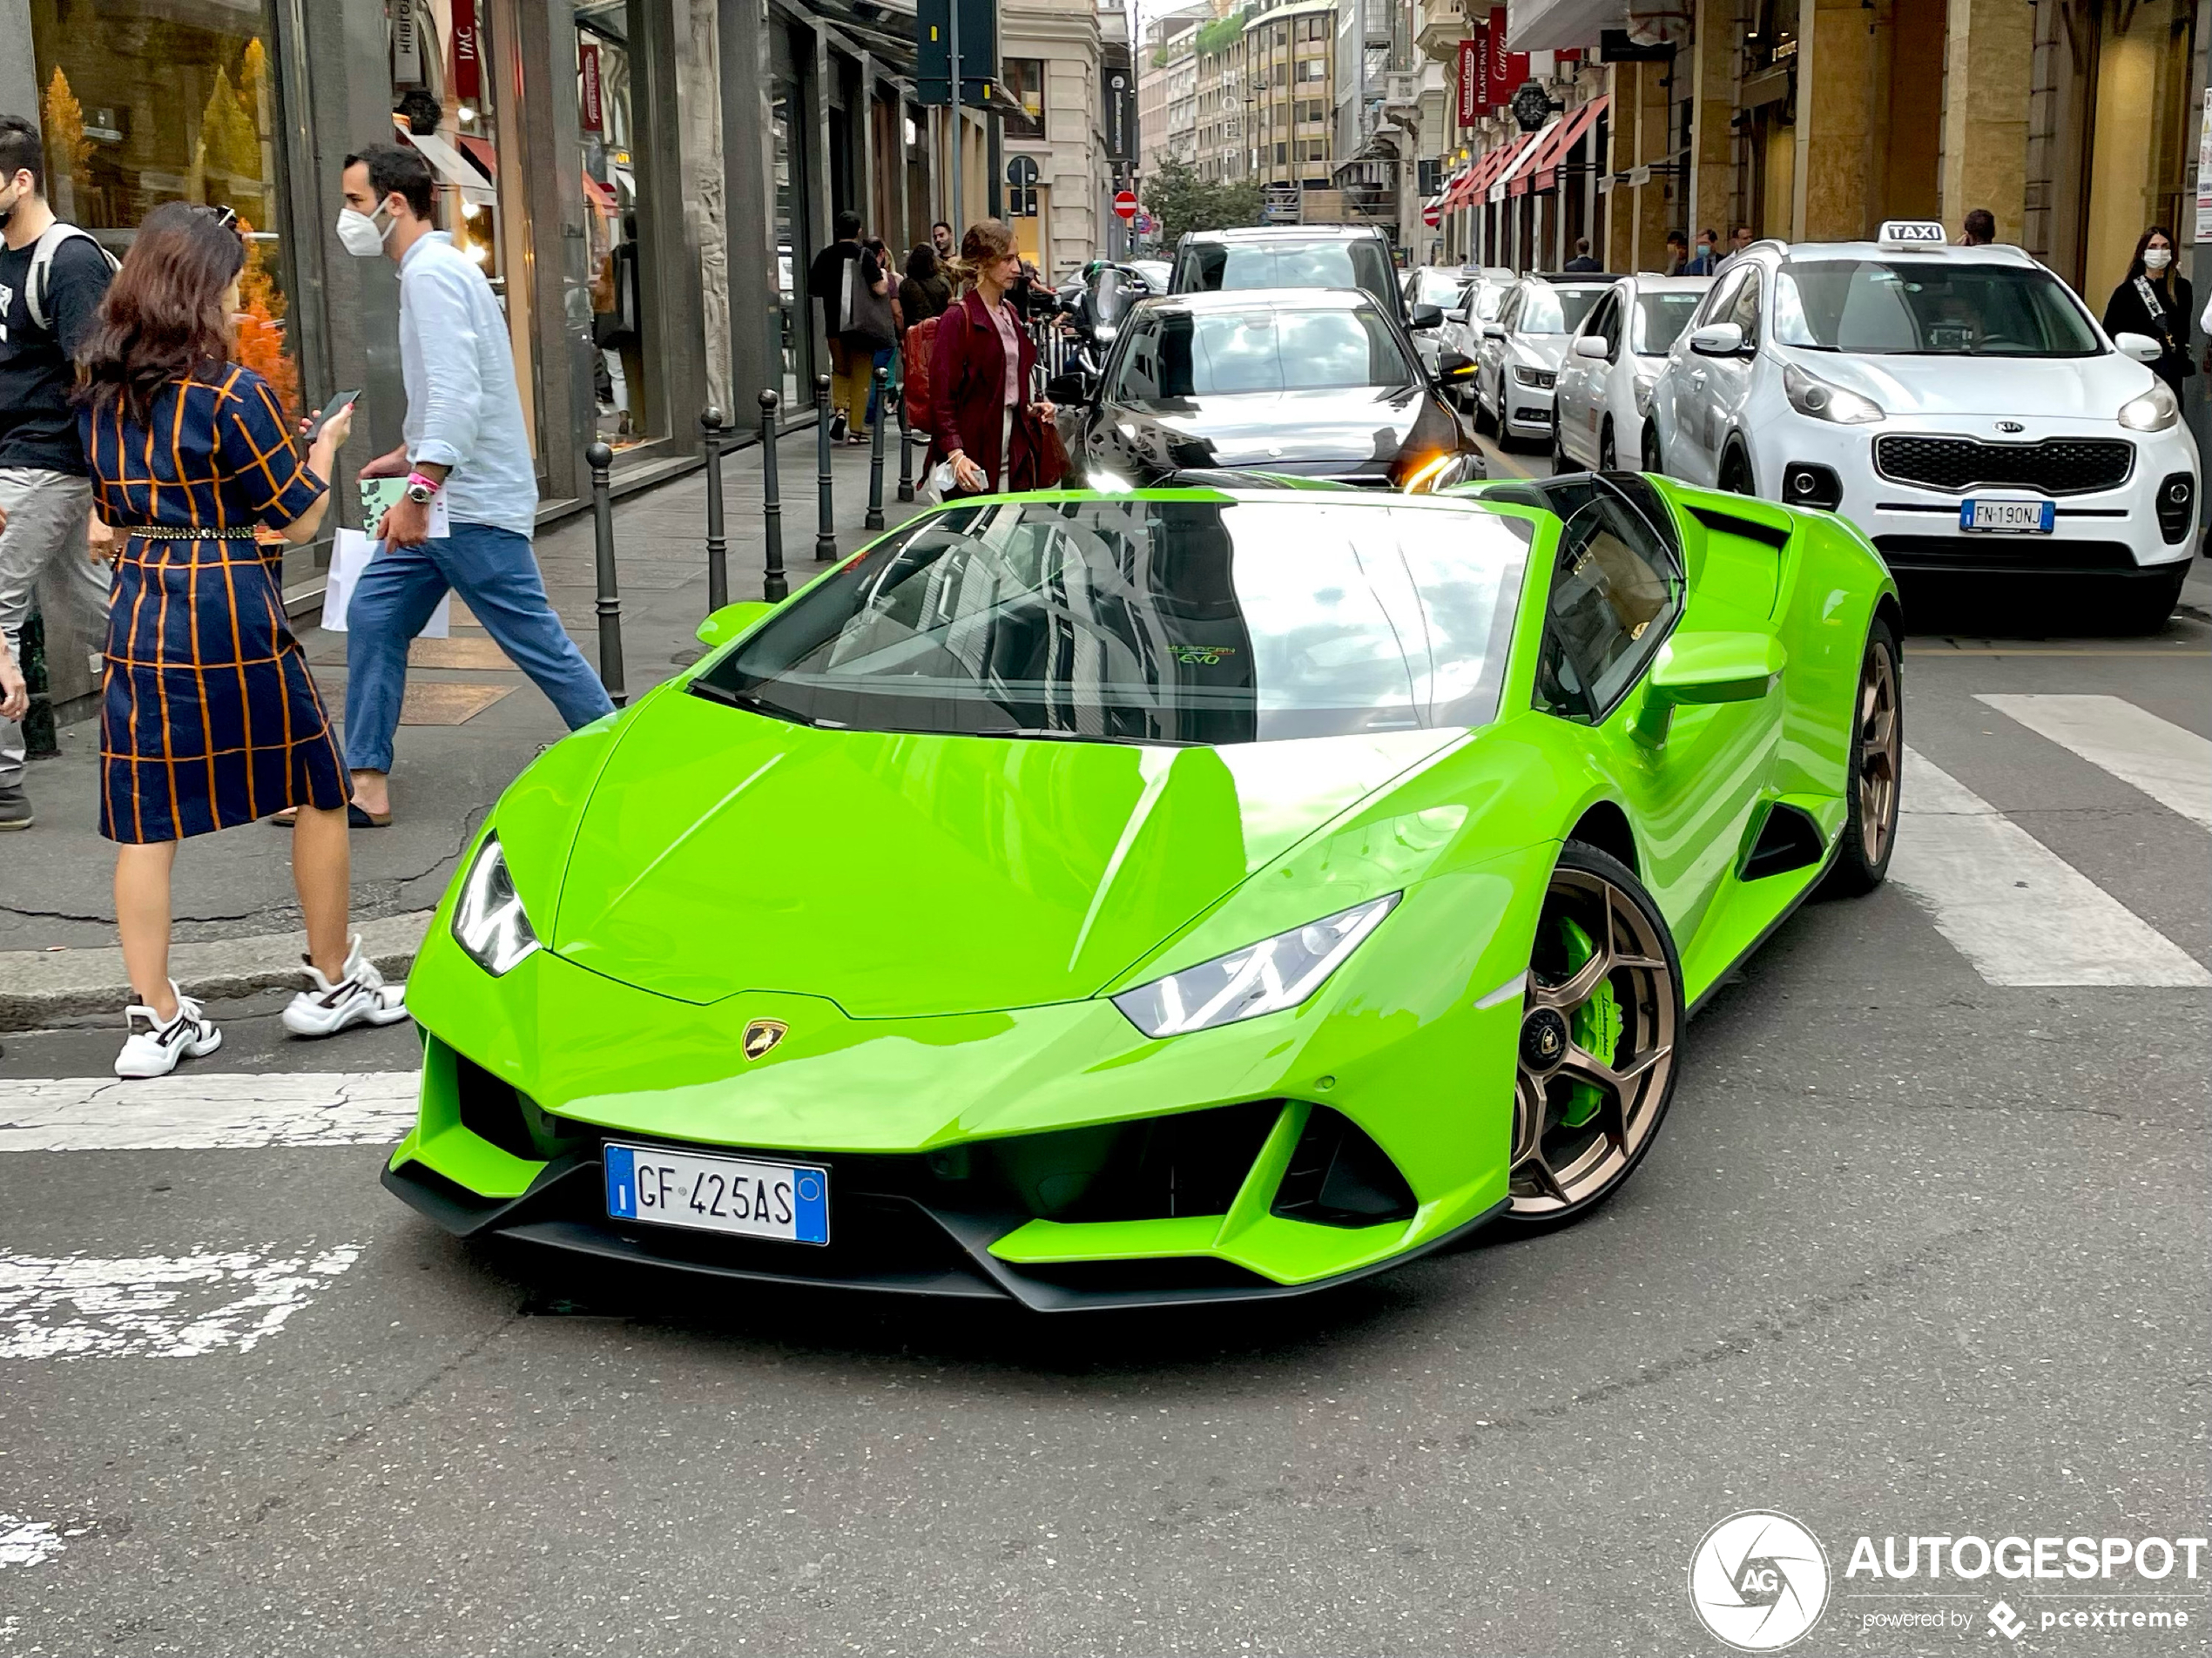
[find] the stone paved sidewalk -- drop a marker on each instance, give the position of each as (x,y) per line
(473,722)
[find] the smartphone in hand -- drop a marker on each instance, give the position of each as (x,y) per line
(331,411)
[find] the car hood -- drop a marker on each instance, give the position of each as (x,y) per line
(1540,350)
(2019,387)
(1354,428)
(903,874)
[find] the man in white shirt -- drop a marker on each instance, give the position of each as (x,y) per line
(464,440)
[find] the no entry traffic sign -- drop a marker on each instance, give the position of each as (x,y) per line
(1125,203)
(1431,215)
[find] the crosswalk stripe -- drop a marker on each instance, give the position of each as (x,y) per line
(27,1542)
(2015,909)
(155,1306)
(195,1110)
(2172,765)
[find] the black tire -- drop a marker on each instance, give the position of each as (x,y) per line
(1562,462)
(1863,851)
(2146,606)
(1736,474)
(1608,459)
(1645,987)
(1652,459)
(1483,424)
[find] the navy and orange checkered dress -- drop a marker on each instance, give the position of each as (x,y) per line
(210,717)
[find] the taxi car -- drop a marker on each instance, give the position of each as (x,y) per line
(1522,351)
(1605,379)
(1960,405)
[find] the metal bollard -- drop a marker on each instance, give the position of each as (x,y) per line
(718,543)
(600,458)
(826,501)
(39,739)
(874,518)
(773,588)
(906,452)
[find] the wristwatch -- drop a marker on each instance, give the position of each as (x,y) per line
(420,488)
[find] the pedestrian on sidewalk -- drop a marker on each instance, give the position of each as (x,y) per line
(980,419)
(2151,299)
(941,237)
(209,715)
(1583,261)
(15,694)
(889,348)
(463,442)
(925,293)
(853,289)
(51,278)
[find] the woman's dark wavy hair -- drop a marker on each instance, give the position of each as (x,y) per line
(2136,267)
(163,319)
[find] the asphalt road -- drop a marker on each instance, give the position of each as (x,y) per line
(1919,1252)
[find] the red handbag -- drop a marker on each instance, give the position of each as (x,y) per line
(921,346)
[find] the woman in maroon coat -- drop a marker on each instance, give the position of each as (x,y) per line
(978,419)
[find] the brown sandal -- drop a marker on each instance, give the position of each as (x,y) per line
(357,817)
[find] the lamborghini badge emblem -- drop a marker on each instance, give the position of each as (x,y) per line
(762,1034)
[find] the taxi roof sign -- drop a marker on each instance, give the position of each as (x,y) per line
(1913,233)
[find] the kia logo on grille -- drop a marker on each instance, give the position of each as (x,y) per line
(2010,426)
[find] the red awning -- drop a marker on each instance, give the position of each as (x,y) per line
(1495,162)
(1543,171)
(1456,196)
(480,152)
(597,195)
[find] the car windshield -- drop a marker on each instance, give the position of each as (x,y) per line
(1486,301)
(1210,267)
(1928,307)
(1136,620)
(1661,318)
(1552,310)
(1175,353)
(1439,288)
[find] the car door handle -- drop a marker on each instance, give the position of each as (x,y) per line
(1697,378)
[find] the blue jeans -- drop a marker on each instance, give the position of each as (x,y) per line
(496,576)
(882,360)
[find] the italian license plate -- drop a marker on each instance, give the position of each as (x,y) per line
(2008,517)
(789,1202)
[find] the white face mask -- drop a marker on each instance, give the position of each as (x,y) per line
(2157,259)
(359,231)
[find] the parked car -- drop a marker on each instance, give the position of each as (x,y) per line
(1960,405)
(1442,288)
(1523,349)
(1461,329)
(1604,385)
(1319,382)
(1295,256)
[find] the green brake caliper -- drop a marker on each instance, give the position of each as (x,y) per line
(1596,1025)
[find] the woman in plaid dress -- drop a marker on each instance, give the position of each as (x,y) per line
(210,717)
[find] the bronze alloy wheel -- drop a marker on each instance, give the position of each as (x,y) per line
(1881,750)
(1596,1060)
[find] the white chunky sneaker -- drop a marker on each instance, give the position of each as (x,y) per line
(360,997)
(152,1048)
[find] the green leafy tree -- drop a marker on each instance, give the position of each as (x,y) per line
(1182,201)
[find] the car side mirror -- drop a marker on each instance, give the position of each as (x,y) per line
(1593,347)
(1427,317)
(1719,339)
(1454,364)
(2141,346)
(731,621)
(1493,331)
(1700,668)
(1073,388)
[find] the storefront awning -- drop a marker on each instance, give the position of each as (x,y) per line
(1554,25)
(450,166)
(1543,171)
(1513,156)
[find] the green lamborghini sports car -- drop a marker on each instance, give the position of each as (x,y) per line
(1091,900)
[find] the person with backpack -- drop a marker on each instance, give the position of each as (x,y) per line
(854,289)
(52,278)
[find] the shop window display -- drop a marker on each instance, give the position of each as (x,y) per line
(155,101)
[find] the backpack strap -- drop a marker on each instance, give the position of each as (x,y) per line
(40,277)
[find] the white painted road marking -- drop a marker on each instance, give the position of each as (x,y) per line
(27,1542)
(155,1306)
(2171,766)
(2015,909)
(194,1110)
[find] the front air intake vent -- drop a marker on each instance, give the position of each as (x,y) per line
(1339,1176)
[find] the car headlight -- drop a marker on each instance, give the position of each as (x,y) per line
(1540,378)
(488,921)
(1643,386)
(1106,331)
(2154,411)
(1263,977)
(1810,394)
